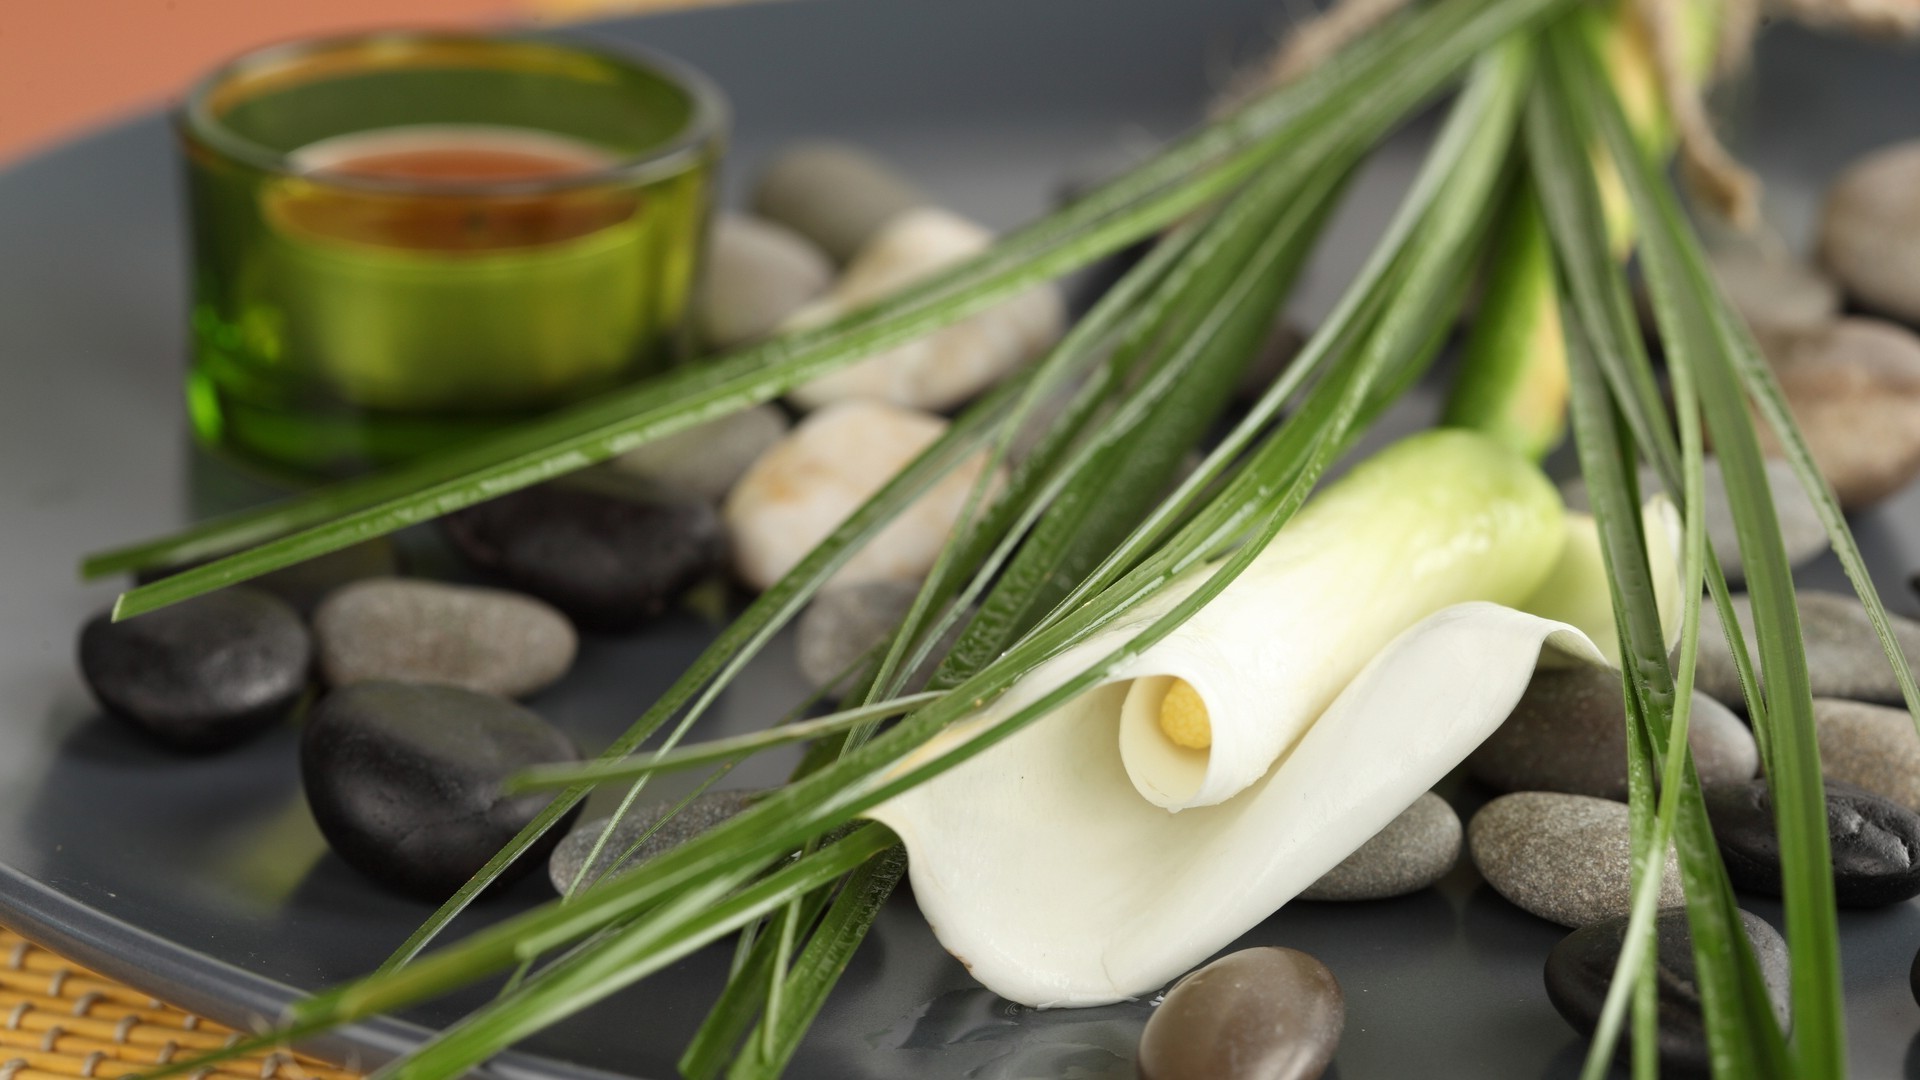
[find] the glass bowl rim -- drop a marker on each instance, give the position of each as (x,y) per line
(705,125)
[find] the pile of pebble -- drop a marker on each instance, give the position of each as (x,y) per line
(411,688)
(417,719)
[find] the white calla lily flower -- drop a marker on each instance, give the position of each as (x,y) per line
(1120,840)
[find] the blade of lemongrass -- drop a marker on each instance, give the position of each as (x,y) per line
(593,856)
(1075,532)
(867,777)
(1742,1034)
(1214,322)
(1690,318)
(818,969)
(709,914)
(1383,77)
(544,777)
(1632,967)
(1740,1024)
(792,716)
(629,955)
(733,1013)
(1491,94)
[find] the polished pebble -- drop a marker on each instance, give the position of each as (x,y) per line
(1872,747)
(848,622)
(1854,389)
(705,461)
(610,562)
(490,640)
(1870,230)
(1875,843)
(1771,289)
(201,674)
(1568,733)
(1802,533)
(1580,970)
(1413,852)
(757,273)
(1844,658)
(1565,858)
(836,195)
(1257,1014)
(404,781)
(803,487)
(943,369)
(703,812)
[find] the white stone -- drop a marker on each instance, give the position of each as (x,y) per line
(809,482)
(944,368)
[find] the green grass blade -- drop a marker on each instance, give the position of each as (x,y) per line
(1479,121)
(1686,312)
(1740,1028)
(732,1015)
(626,957)
(546,777)
(1743,1036)
(821,964)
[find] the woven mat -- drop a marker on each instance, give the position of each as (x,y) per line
(63,1021)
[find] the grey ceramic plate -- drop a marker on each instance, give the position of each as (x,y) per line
(203,880)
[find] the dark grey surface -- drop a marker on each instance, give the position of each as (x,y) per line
(204,880)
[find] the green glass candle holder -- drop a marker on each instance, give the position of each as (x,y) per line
(402,242)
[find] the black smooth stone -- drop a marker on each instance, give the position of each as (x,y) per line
(201,674)
(1580,968)
(1875,842)
(608,561)
(404,780)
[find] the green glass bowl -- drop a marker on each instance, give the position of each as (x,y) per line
(345,321)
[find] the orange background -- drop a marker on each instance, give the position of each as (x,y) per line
(67,66)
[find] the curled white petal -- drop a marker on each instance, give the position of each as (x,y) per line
(1039,865)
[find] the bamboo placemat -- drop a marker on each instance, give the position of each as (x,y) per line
(59,1021)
